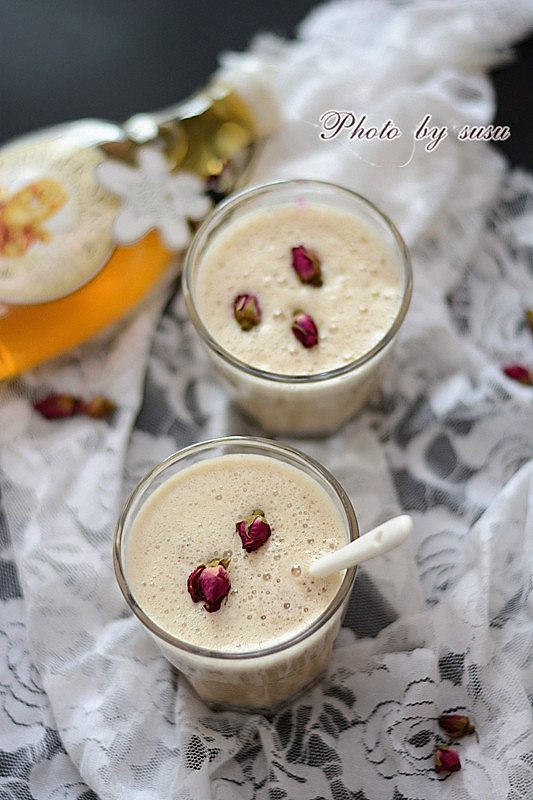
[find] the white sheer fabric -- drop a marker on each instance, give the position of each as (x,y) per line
(89,706)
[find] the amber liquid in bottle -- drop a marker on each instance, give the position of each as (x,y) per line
(213,135)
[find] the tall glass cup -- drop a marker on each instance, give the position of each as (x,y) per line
(229,675)
(300,404)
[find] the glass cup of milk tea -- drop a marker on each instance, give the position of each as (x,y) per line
(298,290)
(212,552)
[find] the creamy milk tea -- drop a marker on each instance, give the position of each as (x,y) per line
(271,634)
(360,293)
(298,289)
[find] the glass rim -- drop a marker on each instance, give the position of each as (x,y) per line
(293,456)
(234,201)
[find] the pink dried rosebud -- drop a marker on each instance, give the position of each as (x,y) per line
(519,373)
(57,406)
(304,329)
(254,531)
(98,407)
(210,583)
(446,758)
(247,311)
(306,265)
(456,725)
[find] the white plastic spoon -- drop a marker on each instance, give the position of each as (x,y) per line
(376,542)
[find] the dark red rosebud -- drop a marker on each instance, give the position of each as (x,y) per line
(456,725)
(304,329)
(519,373)
(447,759)
(98,407)
(57,406)
(193,584)
(254,531)
(247,311)
(306,265)
(210,583)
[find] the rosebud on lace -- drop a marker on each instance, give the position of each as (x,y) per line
(57,406)
(247,311)
(306,265)
(304,329)
(210,583)
(254,531)
(519,373)
(447,759)
(98,407)
(456,725)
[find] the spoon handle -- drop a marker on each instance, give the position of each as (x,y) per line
(376,542)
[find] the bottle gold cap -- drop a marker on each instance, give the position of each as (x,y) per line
(254,84)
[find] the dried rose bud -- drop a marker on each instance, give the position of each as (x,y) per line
(98,407)
(456,725)
(254,531)
(306,265)
(446,758)
(210,583)
(529,317)
(57,406)
(304,329)
(247,311)
(519,373)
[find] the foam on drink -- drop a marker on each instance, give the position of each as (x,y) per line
(191,519)
(360,296)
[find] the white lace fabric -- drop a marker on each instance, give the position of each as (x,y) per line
(90,709)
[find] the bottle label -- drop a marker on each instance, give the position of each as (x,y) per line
(55,221)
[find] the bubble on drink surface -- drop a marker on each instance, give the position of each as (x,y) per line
(296,570)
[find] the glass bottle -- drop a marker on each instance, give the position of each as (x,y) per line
(93,214)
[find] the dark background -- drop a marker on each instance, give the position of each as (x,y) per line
(69,59)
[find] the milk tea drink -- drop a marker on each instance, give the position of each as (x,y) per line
(271,636)
(247,289)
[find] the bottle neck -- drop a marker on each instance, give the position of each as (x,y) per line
(244,92)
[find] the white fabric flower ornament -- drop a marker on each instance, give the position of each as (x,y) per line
(154,198)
